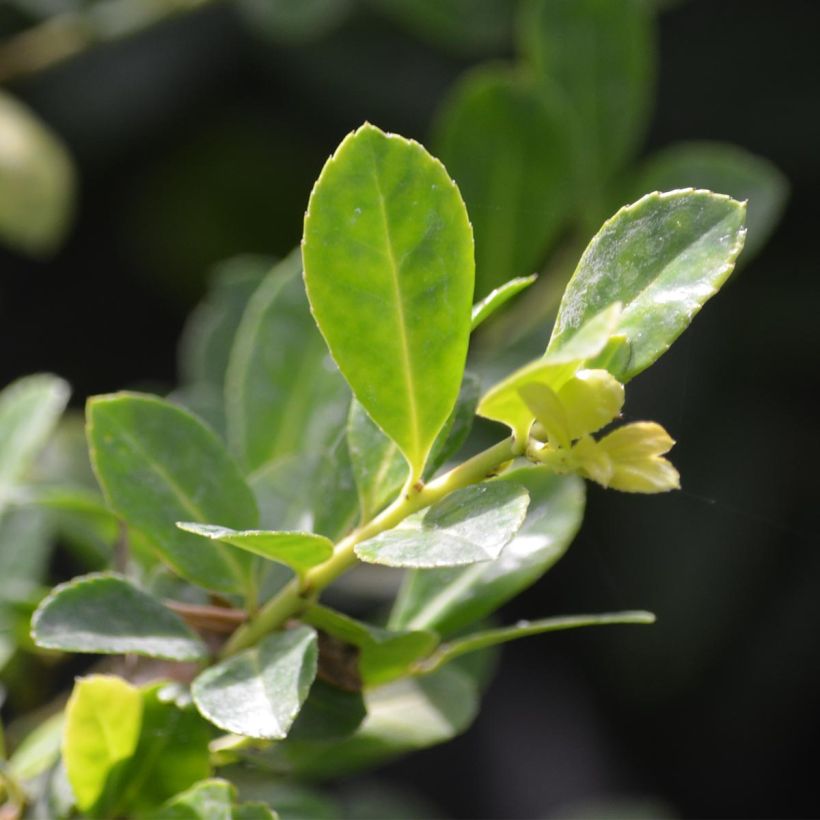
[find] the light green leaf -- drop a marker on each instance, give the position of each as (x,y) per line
(36,180)
(448,600)
(105,613)
(39,750)
(103,720)
(388,256)
(403,716)
(29,411)
(469,525)
(662,257)
(157,464)
(259,692)
(600,54)
(385,654)
(283,394)
(493,637)
(499,297)
(506,143)
(212,799)
(298,550)
(718,166)
(207,338)
(26,544)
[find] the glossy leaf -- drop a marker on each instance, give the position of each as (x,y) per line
(157,464)
(448,600)
(506,143)
(662,257)
(107,614)
(600,55)
(29,411)
(385,654)
(298,550)
(469,525)
(329,713)
(718,166)
(103,720)
(258,693)
(212,799)
(283,394)
(497,298)
(37,180)
(388,256)
(523,629)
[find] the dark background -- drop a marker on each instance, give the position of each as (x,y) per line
(196,140)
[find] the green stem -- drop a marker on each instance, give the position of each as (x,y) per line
(296,595)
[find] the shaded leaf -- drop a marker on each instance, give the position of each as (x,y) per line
(448,600)
(259,692)
(662,257)
(469,525)
(105,613)
(388,256)
(213,799)
(157,464)
(294,21)
(329,713)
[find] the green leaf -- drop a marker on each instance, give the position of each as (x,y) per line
(294,21)
(600,55)
(403,716)
(506,143)
(103,720)
(107,614)
(718,166)
(329,713)
(29,411)
(207,338)
(499,297)
(298,550)
(36,179)
(385,654)
(213,799)
(157,464)
(259,692)
(523,629)
(26,544)
(388,256)
(469,525)
(448,600)
(662,257)
(39,750)
(458,425)
(283,394)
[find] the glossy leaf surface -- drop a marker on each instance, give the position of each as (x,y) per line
(447,600)
(506,143)
(388,257)
(157,464)
(298,550)
(470,525)
(258,693)
(107,614)
(662,257)
(283,394)
(213,799)
(498,297)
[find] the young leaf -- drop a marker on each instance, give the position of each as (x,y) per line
(497,298)
(157,464)
(259,692)
(506,143)
(107,614)
(212,799)
(600,55)
(283,394)
(470,525)
(388,257)
(662,257)
(448,600)
(29,411)
(298,550)
(722,167)
(103,720)
(493,637)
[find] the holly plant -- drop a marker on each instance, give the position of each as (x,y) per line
(340,460)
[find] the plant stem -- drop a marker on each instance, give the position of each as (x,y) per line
(296,595)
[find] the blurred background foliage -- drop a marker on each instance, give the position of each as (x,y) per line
(145,142)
